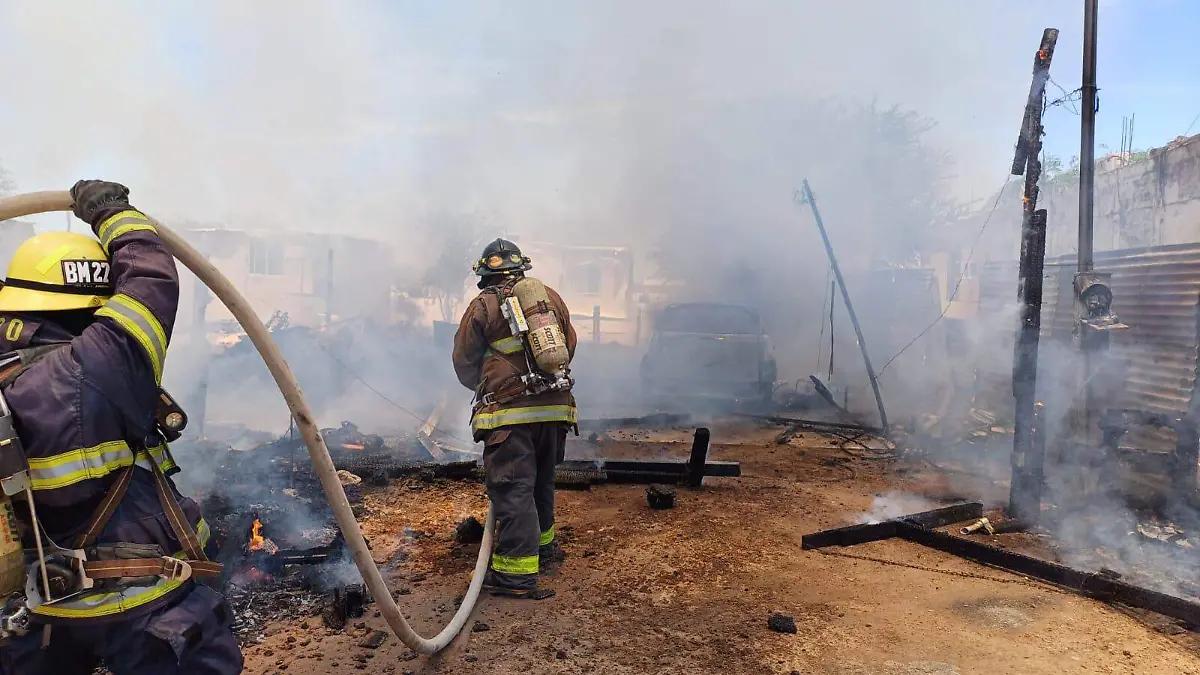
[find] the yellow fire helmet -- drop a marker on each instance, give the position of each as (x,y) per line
(56,271)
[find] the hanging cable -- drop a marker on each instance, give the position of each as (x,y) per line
(397,406)
(962,275)
(821,337)
(832,304)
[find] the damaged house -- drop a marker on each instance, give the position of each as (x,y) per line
(312,278)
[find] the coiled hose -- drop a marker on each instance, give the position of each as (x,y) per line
(42,202)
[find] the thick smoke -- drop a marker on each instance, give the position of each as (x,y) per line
(678,132)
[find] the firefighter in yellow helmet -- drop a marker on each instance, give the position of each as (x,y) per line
(84,329)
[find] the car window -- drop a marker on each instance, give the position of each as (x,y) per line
(708,319)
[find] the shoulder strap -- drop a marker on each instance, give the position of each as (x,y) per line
(18,361)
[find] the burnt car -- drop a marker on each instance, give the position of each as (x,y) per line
(708,351)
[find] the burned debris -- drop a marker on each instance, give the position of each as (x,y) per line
(924,529)
(282,552)
(469,531)
(660,497)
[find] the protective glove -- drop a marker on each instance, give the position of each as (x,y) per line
(91,197)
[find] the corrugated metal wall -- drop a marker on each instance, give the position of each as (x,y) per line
(1156,291)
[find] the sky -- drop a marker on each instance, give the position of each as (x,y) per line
(363,116)
(1145,49)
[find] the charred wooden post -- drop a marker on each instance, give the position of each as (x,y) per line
(1028,456)
(698,458)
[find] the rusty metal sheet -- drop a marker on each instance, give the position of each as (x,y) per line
(1156,291)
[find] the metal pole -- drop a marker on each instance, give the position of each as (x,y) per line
(1028,456)
(1087,137)
(807,197)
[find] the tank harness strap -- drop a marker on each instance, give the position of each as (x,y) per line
(104,510)
(521,390)
(195,564)
(18,361)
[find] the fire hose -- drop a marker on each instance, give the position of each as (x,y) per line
(42,202)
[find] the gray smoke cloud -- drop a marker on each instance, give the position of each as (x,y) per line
(362,117)
(665,126)
(670,126)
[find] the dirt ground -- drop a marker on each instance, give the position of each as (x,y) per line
(690,590)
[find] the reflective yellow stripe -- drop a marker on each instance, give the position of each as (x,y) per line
(546,537)
(530,415)
(122,223)
(508,345)
(520,565)
(93,605)
(74,466)
(140,323)
(52,259)
(126,229)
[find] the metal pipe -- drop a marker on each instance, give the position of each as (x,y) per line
(807,197)
(1087,138)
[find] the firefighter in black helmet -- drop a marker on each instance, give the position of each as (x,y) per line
(524,430)
(501,260)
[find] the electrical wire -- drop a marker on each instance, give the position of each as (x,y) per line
(383,396)
(1067,98)
(832,304)
(961,276)
(821,337)
(1189,129)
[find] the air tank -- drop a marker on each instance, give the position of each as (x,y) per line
(546,338)
(12,559)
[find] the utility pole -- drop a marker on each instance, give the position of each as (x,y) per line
(1087,137)
(1029,441)
(1095,319)
(805,196)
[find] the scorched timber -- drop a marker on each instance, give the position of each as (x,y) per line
(919,529)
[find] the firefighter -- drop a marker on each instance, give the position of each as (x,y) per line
(524,432)
(84,326)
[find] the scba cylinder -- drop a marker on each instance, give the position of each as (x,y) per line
(12,559)
(546,339)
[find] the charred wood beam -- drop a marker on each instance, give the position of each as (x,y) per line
(1101,587)
(650,470)
(920,529)
(862,534)
(654,420)
(816,425)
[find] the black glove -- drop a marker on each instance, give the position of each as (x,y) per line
(90,197)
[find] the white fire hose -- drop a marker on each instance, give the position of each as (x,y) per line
(42,202)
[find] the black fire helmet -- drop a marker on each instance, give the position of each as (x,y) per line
(501,257)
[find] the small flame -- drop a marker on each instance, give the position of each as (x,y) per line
(353,446)
(256,539)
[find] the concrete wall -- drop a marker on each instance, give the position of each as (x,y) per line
(1146,202)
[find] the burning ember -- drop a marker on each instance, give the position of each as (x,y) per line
(256,538)
(258,543)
